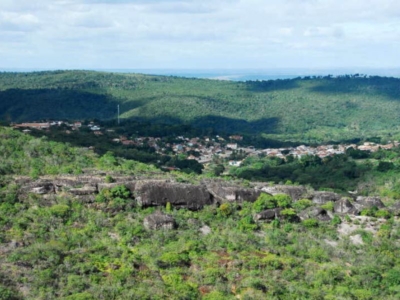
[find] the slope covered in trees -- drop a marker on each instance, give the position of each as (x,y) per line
(302,109)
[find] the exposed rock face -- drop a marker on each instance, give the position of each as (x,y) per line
(222,193)
(324,197)
(395,208)
(268,214)
(130,185)
(155,193)
(344,206)
(368,202)
(295,192)
(159,220)
(315,212)
(85,190)
(39,187)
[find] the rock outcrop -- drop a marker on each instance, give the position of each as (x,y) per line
(151,192)
(295,192)
(315,212)
(368,202)
(226,193)
(344,206)
(324,197)
(156,193)
(268,214)
(159,220)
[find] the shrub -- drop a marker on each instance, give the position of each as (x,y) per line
(109,179)
(302,204)
(225,209)
(288,213)
(336,220)
(59,210)
(382,214)
(247,224)
(309,223)
(328,206)
(264,201)
(283,200)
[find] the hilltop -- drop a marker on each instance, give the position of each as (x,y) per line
(303,109)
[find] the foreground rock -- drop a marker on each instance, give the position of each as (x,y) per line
(222,193)
(295,192)
(324,197)
(156,193)
(368,202)
(268,214)
(344,206)
(159,220)
(315,213)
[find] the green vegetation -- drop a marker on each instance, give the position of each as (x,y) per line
(25,155)
(69,250)
(59,247)
(340,172)
(302,109)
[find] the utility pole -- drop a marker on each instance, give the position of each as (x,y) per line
(118,114)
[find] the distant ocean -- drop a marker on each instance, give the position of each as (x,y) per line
(256,74)
(242,74)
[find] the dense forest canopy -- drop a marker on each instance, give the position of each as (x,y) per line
(309,109)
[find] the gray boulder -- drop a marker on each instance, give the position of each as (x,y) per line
(368,202)
(324,197)
(295,192)
(159,220)
(315,212)
(395,208)
(268,214)
(344,206)
(156,193)
(223,193)
(85,190)
(43,188)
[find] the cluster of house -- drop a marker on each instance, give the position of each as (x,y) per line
(46,125)
(205,149)
(326,150)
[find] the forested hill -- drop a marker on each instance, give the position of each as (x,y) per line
(303,109)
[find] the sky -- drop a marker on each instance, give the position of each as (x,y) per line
(199,34)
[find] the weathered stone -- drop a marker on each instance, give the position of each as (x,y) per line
(324,197)
(39,187)
(395,208)
(205,230)
(295,192)
(159,220)
(344,206)
(268,214)
(155,193)
(85,190)
(315,212)
(223,193)
(44,188)
(368,202)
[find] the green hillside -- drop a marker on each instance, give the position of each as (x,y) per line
(61,246)
(307,109)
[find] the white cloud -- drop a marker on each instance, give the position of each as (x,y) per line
(193,33)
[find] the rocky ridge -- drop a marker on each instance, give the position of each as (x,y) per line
(157,193)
